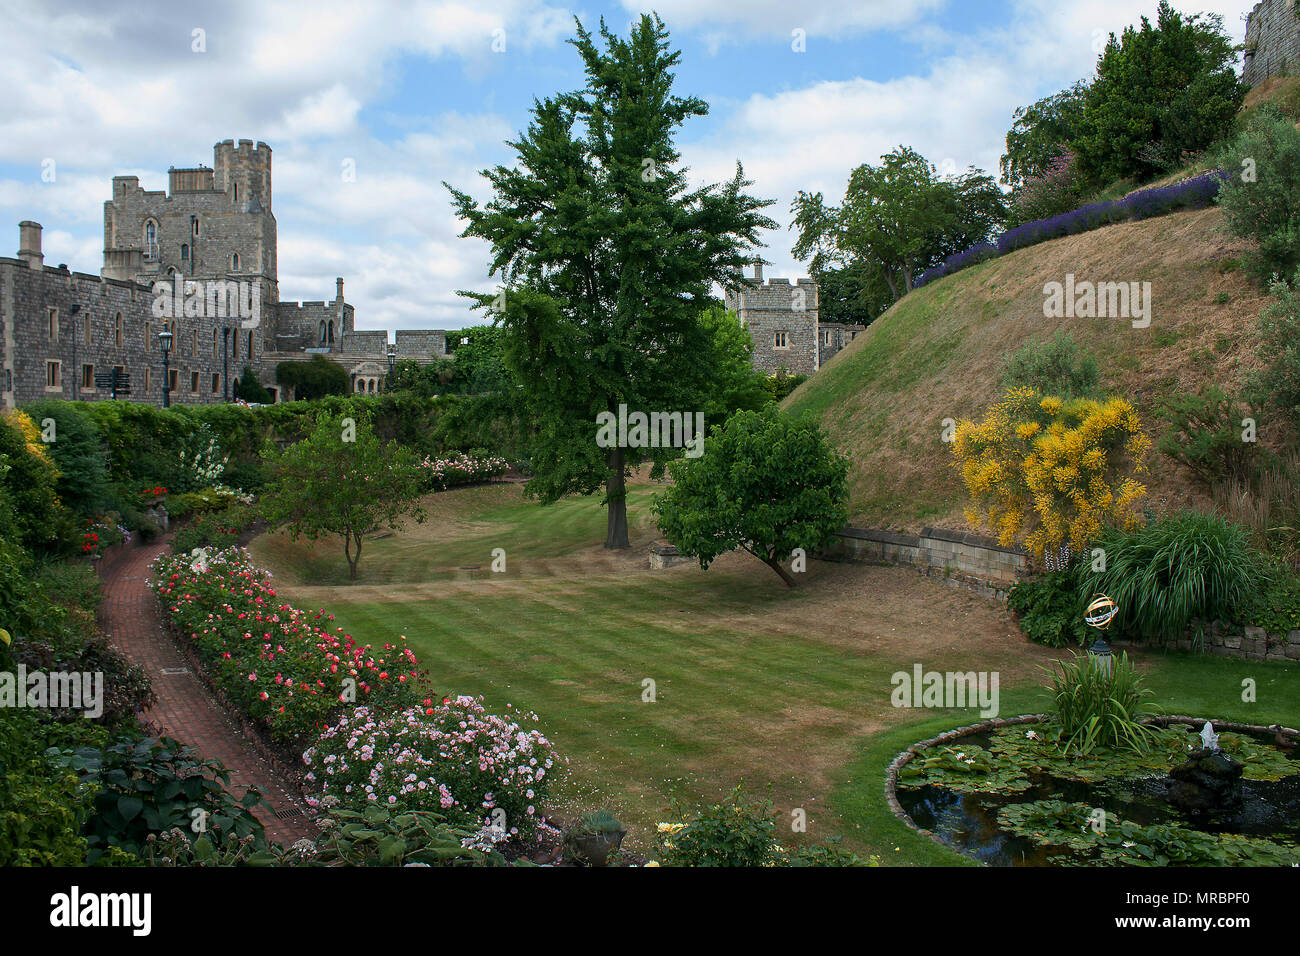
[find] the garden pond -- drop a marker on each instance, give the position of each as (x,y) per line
(1010,797)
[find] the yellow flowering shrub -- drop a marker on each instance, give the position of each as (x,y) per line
(31,435)
(1050,473)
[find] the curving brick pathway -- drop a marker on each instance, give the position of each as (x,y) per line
(186,710)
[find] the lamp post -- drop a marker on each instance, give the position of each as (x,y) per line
(165,343)
(392,360)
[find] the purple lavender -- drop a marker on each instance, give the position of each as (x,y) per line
(1195,193)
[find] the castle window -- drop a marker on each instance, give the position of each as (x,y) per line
(87,376)
(780,340)
(194,345)
(185,252)
(85,332)
(331,328)
(234,191)
(214,343)
(54,376)
(117,329)
(194,381)
(173,379)
(54,324)
(216,382)
(249,351)
(322,333)
(234,261)
(147,378)
(234,345)
(150,232)
(196,227)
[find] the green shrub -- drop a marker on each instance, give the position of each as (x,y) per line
(1170,572)
(1097,703)
(1207,434)
(1050,609)
(827,854)
(1277,607)
(80,454)
(1055,367)
(1261,196)
(737,832)
(315,378)
(1279,332)
(145,786)
(379,836)
(29,479)
(250,389)
(42,806)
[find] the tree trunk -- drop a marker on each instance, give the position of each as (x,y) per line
(775,565)
(347,552)
(616,494)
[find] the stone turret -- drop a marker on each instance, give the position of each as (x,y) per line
(29,244)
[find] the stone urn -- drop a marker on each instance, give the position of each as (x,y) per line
(1209,782)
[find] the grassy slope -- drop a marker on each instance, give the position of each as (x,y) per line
(938,354)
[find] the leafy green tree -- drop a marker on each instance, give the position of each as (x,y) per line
(1162,91)
(1040,132)
(341,480)
(1261,196)
(608,259)
(852,295)
(480,360)
(897,219)
(79,453)
(765,484)
(250,389)
(315,378)
(735,384)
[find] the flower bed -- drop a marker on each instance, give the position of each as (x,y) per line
(454,759)
(442,473)
(1194,193)
(282,666)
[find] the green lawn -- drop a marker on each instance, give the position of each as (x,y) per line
(787,690)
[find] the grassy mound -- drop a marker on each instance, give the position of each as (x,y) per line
(939,354)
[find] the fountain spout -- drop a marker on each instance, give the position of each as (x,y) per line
(1209,739)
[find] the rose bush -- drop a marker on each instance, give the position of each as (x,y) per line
(453,758)
(281,665)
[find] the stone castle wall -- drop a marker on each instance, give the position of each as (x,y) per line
(782,321)
(1272,41)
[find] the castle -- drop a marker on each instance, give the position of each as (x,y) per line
(1272,41)
(783,321)
(199,261)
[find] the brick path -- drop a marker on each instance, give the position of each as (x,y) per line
(186,709)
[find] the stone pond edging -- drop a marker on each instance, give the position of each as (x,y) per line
(999,723)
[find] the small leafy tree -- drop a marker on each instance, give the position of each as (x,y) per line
(1261,195)
(1040,132)
(1050,472)
(341,480)
(250,389)
(1208,433)
(765,484)
(314,378)
(1279,330)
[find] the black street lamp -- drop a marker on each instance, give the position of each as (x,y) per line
(392,360)
(165,343)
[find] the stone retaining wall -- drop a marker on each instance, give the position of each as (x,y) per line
(964,560)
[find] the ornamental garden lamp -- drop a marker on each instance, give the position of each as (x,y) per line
(165,343)
(1101,611)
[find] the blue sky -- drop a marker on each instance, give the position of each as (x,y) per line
(412,93)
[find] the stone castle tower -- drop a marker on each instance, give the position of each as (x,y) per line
(1272,41)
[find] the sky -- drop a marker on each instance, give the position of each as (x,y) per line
(409,93)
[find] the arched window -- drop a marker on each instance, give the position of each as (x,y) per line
(185,252)
(234,345)
(117,329)
(196,226)
(151,232)
(331,327)
(234,261)
(249,350)
(322,333)
(234,190)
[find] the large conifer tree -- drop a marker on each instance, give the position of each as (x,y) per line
(607,261)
